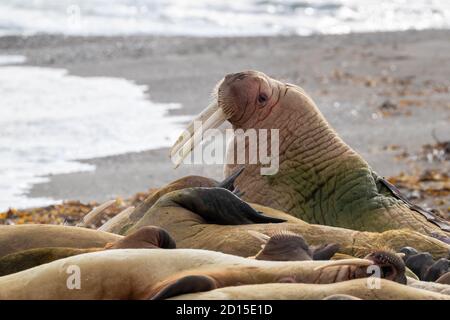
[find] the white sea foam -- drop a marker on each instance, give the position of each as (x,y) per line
(219,17)
(12,59)
(48,119)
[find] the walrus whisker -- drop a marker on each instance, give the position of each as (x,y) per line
(260,236)
(215,90)
(346,262)
(93,216)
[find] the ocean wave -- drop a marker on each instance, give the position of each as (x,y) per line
(219,17)
(50,119)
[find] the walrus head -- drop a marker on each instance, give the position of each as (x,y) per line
(246,99)
(282,246)
(390,266)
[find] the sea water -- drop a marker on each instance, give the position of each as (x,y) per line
(50,119)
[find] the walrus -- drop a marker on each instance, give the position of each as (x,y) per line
(438,287)
(444,279)
(145,238)
(358,288)
(423,264)
(15,238)
(119,223)
(320,179)
(216,219)
(340,296)
(163,273)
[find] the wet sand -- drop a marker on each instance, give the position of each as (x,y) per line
(384,93)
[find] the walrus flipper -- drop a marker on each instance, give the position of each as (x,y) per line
(219,206)
(325,252)
(427,214)
(187,284)
(228,182)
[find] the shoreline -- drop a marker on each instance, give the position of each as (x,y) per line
(349,76)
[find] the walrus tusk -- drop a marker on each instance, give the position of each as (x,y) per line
(210,118)
(92,216)
(124,214)
(205,114)
(346,262)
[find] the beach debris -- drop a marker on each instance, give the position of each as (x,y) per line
(428,188)
(388,105)
(440,150)
(69,213)
(390,108)
(436,152)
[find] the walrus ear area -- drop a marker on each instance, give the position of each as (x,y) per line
(424,266)
(183,285)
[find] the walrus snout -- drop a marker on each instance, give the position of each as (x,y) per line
(391,266)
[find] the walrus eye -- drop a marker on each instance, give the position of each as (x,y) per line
(262,98)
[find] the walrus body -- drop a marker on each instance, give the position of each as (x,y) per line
(191,229)
(319,179)
(145,238)
(120,224)
(438,287)
(31,236)
(146,274)
(293,291)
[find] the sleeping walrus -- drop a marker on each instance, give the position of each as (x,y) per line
(217,219)
(320,179)
(161,274)
(353,289)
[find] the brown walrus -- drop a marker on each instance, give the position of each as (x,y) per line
(30,236)
(216,219)
(288,246)
(320,179)
(295,291)
(145,238)
(159,274)
(444,279)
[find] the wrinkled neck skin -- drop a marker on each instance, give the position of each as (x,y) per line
(320,178)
